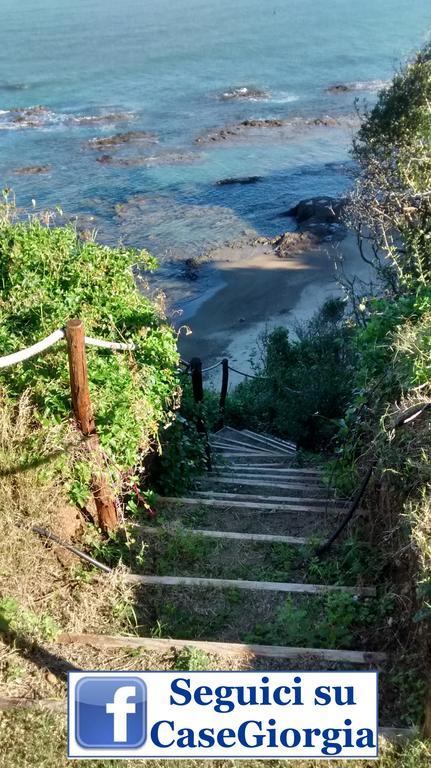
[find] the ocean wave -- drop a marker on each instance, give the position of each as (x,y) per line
(284,97)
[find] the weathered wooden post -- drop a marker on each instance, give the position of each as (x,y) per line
(197,381)
(223,391)
(198,395)
(81,402)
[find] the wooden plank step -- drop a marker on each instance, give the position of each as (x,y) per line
(246,506)
(265,436)
(262,482)
(231,443)
(221,648)
(279,468)
(229,453)
(311,500)
(285,446)
(295,484)
(48,705)
(247,438)
(259,537)
(255,586)
(238,447)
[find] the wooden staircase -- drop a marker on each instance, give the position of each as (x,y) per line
(256,478)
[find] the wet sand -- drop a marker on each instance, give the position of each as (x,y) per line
(258,291)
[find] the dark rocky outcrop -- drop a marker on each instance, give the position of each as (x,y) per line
(240,180)
(320,215)
(119,139)
(291,243)
(291,126)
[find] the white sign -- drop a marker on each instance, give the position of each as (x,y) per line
(282,715)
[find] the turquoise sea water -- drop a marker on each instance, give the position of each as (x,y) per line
(163,66)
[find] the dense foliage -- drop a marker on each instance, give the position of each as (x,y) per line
(392,204)
(303,386)
(49,275)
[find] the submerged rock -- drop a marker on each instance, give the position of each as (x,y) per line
(13,86)
(110,117)
(371,85)
(244,93)
(339,88)
(164,158)
(31,170)
(240,180)
(119,139)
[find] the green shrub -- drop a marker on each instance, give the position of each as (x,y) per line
(49,276)
(304,385)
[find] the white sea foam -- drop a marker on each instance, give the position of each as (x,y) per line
(284,97)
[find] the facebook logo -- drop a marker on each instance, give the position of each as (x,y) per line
(109,712)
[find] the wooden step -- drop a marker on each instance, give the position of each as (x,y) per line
(270,441)
(251,439)
(246,506)
(258,537)
(227,442)
(256,482)
(231,445)
(276,485)
(256,586)
(270,468)
(111,642)
(14,703)
(260,457)
(312,501)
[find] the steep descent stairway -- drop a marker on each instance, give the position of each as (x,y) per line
(257,494)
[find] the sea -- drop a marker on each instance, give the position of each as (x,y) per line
(177,79)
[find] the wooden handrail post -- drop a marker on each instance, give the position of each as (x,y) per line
(198,395)
(79,377)
(223,391)
(197,381)
(81,402)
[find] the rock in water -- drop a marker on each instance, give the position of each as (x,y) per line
(119,139)
(321,215)
(339,88)
(322,210)
(32,170)
(244,93)
(240,180)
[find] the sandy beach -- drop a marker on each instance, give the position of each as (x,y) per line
(259,291)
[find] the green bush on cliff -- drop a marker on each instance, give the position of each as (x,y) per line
(48,276)
(392,203)
(304,385)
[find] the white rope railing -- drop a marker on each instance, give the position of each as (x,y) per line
(35,349)
(118,345)
(25,354)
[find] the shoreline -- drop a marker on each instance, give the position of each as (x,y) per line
(258,291)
